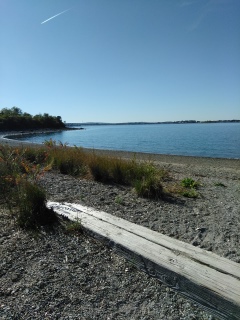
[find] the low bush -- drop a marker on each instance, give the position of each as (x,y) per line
(191,193)
(72,167)
(119,200)
(99,168)
(32,210)
(67,160)
(150,187)
(144,177)
(20,191)
(189,187)
(36,155)
(189,183)
(74,227)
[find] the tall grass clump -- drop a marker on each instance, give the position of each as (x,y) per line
(100,169)
(36,155)
(67,160)
(19,188)
(143,176)
(110,169)
(32,210)
(148,182)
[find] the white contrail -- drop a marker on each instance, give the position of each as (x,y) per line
(55,16)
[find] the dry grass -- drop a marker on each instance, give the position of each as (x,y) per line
(19,189)
(143,176)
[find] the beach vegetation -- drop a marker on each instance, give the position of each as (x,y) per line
(150,187)
(220,184)
(119,200)
(20,191)
(32,210)
(71,161)
(74,227)
(143,176)
(189,183)
(82,197)
(186,187)
(21,169)
(191,193)
(177,188)
(53,143)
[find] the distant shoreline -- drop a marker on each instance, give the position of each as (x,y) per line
(140,123)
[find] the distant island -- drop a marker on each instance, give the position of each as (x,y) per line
(163,122)
(15,119)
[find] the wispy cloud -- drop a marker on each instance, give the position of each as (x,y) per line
(202,15)
(56,15)
(207,8)
(186,3)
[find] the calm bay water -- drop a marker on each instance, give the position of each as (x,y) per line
(218,140)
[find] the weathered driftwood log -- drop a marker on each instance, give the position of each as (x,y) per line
(202,276)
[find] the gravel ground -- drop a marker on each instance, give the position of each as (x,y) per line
(56,275)
(61,276)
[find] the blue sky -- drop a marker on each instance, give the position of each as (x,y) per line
(121,60)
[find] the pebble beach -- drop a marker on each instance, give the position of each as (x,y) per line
(57,275)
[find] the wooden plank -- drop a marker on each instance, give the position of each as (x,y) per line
(202,256)
(202,276)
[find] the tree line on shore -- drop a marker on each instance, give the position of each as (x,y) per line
(15,119)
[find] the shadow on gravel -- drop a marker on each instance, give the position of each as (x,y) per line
(173,200)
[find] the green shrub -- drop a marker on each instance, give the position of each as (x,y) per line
(20,191)
(74,227)
(189,187)
(190,193)
(189,183)
(118,172)
(149,187)
(68,166)
(6,185)
(36,155)
(67,160)
(100,169)
(144,177)
(119,200)
(32,210)
(220,184)
(11,170)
